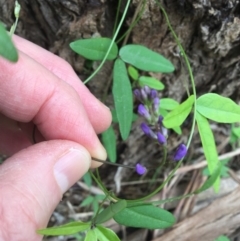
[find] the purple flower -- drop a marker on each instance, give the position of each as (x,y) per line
(137,94)
(153,94)
(143,112)
(140,169)
(161,138)
(147,90)
(144,94)
(160,120)
(180,152)
(156,102)
(145,128)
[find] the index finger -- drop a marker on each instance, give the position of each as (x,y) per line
(29,92)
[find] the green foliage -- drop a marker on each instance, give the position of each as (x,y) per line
(93,201)
(168,104)
(164,113)
(178,115)
(95,48)
(145,59)
(91,235)
(145,216)
(212,180)
(115,119)
(105,234)
(110,211)
(222,238)
(209,146)
(151,82)
(218,108)
(133,72)
(123,97)
(224,169)
(109,142)
(66,229)
(87,179)
(7,48)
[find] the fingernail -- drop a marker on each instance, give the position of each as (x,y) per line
(71,167)
(99,153)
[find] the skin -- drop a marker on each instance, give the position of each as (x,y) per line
(42,89)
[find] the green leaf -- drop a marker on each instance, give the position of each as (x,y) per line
(109,142)
(168,104)
(151,82)
(100,197)
(94,48)
(67,229)
(115,119)
(211,180)
(123,98)
(91,236)
(133,72)
(7,48)
(164,113)
(209,146)
(145,59)
(222,238)
(87,179)
(105,234)
(236,131)
(87,201)
(218,108)
(95,205)
(110,211)
(145,216)
(177,116)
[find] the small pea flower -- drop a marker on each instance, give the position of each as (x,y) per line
(155,104)
(144,94)
(142,110)
(140,169)
(153,94)
(147,90)
(137,94)
(180,152)
(161,138)
(145,128)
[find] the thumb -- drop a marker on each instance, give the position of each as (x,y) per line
(32,183)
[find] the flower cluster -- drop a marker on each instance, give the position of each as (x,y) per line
(149,109)
(153,124)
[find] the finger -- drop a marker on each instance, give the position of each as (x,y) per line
(32,183)
(99,115)
(34,93)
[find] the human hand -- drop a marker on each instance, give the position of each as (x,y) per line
(42,89)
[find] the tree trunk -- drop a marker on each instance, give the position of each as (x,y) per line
(209,31)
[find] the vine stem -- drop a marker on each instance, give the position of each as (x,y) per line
(194,116)
(110,47)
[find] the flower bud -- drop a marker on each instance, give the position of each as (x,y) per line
(156,103)
(142,110)
(147,90)
(140,169)
(137,94)
(161,138)
(145,128)
(153,94)
(180,152)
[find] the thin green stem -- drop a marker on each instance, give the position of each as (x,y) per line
(193,124)
(116,19)
(133,24)
(182,51)
(110,47)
